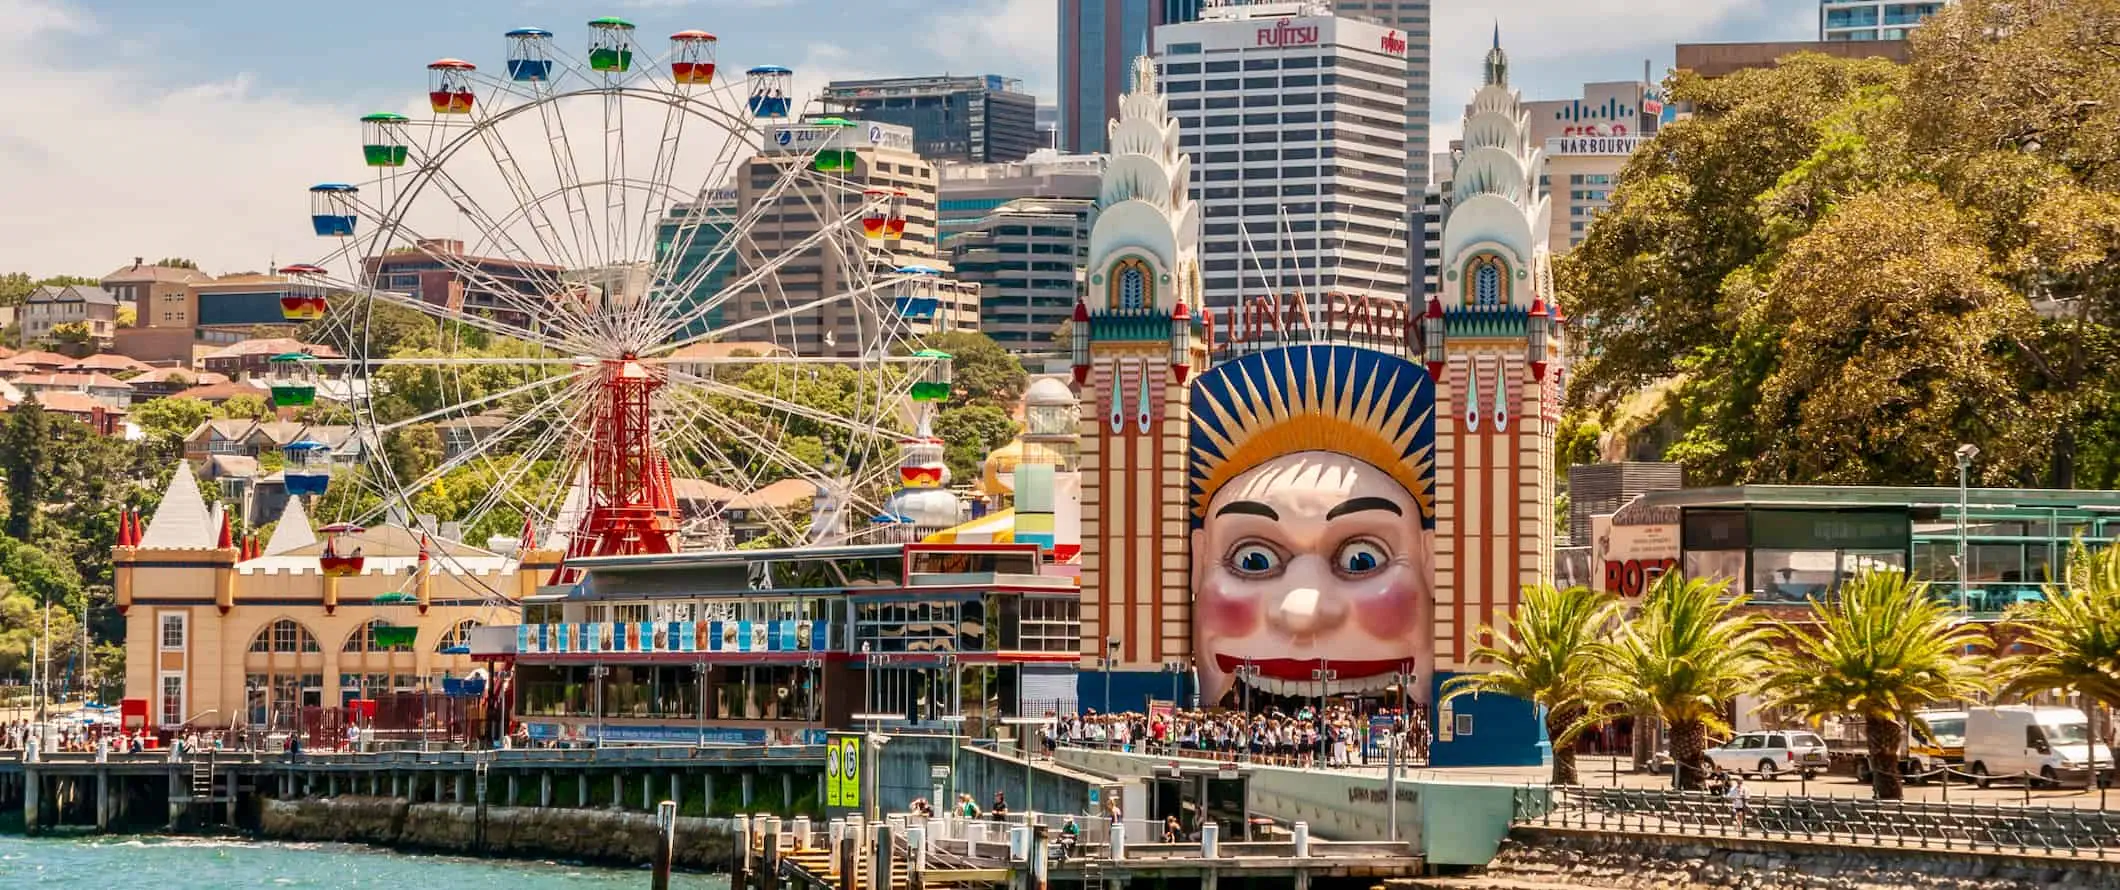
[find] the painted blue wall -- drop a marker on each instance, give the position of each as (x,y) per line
(1131,690)
(1505,731)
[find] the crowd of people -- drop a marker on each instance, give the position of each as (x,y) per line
(1335,737)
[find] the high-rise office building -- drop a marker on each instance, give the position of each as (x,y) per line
(1871,19)
(883,159)
(693,231)
(1026,257)
(964,119)
(1587,141)
(966,193)
(1098,42)
(1410,19)
(1295,121)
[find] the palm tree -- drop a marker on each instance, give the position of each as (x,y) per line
(1552,657)
(1881,649)
(1685,654)
(2071,638)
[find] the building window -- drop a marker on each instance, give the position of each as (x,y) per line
(172,707)
(1486,282)
(173,631)
(1129,286)
(460,635)
(285,636)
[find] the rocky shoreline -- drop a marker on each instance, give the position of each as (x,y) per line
(1562,859)
(599,837)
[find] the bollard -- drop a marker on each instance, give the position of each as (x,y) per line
(1301,831)
(1210,835)
(916,841)
(846,858)
(741,880)
(880,858)
(665,844)
(802,832)
(1118,841)
(1019,844)
(769,869)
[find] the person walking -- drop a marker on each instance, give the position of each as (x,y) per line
(1740,800)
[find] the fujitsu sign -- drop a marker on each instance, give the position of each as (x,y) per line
(1394,44)
(1285,33)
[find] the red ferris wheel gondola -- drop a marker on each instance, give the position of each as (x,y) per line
(449,86)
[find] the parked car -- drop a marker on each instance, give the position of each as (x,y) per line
(2042,745)
(1771,753)
(1934,740)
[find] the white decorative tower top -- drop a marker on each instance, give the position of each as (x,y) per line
(1494,242)
(1144,244)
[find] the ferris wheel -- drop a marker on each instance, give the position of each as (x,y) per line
(588,241)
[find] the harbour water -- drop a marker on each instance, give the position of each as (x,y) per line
(170,863)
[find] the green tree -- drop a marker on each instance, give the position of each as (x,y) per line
(1882,648)
(981,372)
(2071,637)
(244,407)
(1554,656)
(27,460)
(413,452)
(969,434)
(175,262)
(165,423)
(1685,654)
(72,333)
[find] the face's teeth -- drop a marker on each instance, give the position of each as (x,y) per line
(1277,686)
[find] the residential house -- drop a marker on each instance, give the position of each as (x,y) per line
(170,381)
(102,418)
(108,363)
(462,434)
(253,358)
(106,390)
(160,295)
(50,306)
(217,393)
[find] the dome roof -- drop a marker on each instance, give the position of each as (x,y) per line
(1048,391)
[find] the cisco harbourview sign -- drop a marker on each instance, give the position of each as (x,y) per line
(1593,145)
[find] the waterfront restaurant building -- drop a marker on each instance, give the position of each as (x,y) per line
(1789,544)
(777,646)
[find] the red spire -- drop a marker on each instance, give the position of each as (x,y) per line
(124,528)
(1081,315)
(228,533)
(1538,306)
(529,534)
(1435,308)
(423,546)
(1179,313)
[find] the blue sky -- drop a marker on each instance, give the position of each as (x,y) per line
(156,128)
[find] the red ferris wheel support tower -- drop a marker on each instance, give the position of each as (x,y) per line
(632,505)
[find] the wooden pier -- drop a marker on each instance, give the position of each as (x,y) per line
(206,789)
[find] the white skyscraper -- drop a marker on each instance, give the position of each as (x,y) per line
(1871,19)
(1296,123)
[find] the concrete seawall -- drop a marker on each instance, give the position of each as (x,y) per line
(605,837)
(1551,859)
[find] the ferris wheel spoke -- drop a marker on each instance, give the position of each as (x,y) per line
(776,403)
(526,197)
(741,477)
(464,407)
(527,334)
(547,281)
(519,464)
(514,425)
(770,266)
(768,318)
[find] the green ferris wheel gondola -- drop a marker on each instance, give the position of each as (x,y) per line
(293,380)
(610,44)
(383,139)
(390,635)
(934,383)
(833,158)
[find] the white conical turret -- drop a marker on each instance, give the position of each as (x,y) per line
(182,521)
(1145,211)
(293,531)
(1499,212)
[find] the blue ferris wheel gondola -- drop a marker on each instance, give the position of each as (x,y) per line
(308,470)
(917,298)
(529,55)
(331,209)
(769,90)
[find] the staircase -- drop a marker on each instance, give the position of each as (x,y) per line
(202,778)
(818,864)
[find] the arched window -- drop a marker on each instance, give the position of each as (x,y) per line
(460,635)
(285,636)
(1129,285)
(363,639)
(1487,284)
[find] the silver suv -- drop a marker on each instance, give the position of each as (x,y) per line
(1770,754)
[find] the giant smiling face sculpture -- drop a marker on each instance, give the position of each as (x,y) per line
(1312,558)
(1313,507)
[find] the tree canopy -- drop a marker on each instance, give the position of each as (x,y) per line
(1840,269)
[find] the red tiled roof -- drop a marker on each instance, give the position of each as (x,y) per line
(186,376)
(73,403)
(109,361)
(218,392)
(72,381)
(272,346)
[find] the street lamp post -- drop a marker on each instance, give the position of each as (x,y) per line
(1324,674)
(1111,653)
(1246,673)
(1391,754)
(700,671)
(597,674)
(1177,670)
(1966,454)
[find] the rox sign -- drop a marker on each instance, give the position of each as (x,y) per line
(1633,577)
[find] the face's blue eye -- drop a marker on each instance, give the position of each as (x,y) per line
(1254,559)
(1359,557)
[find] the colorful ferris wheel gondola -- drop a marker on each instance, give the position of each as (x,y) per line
(875,212)
(293,379)
(342,555)
(610,45)
(770,85)
(894,216)
(449,86)
(332,209)
(383,139)
(529,55)
(692,57)
(835,157)
(308,469)
(934,382)
(917,299)
(394,623)
(303,300)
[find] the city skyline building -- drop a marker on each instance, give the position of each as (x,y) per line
(1871,19)
(1098,42)
(882,159)
(966,193)
(696,228)
(1026,257)
(1586,141)
(963,119)
(1295,121)
(1410,18)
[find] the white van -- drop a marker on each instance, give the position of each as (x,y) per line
(2045,745)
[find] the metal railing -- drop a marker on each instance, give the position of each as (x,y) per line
(1913,824)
